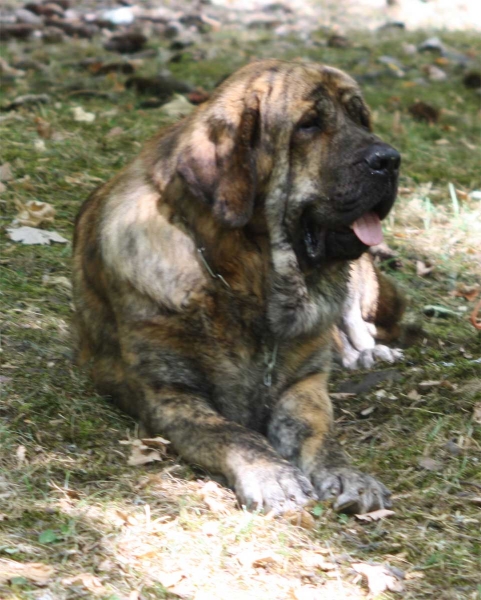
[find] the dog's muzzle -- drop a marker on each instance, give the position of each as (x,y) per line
(353,225)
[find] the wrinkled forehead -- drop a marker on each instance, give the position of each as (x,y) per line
(284,88)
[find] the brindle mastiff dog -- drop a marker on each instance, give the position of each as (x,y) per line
(209,273)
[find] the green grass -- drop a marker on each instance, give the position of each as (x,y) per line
(75,483)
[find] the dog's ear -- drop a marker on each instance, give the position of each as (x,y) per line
(219,166)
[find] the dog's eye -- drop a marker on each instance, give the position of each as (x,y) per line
(309,124)
(359,113)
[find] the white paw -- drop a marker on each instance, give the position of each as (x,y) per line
(368,357)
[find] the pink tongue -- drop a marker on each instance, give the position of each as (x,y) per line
(368,229)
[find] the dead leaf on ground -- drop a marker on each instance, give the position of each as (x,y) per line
(37,573)
(380,577)
(475,316)
(375,515)
(88,581)
(177,108)
(211,494)
(39,145)
(156,442)
(142,454)
(421,111)
(6,172)
(300,518)
(21,455)
(30,236)
(6,69)
(249,558)
(33,213)
(169,580)
(57,281)
(114,132)
(477,413)
(468,292)
(423,268)
(44,128)
(313,560)
(81,116)
(427,385)
(413,395)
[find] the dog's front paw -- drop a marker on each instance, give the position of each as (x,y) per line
(365,359)
(353,491)
(273,487)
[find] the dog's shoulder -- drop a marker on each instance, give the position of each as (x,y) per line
(139,241)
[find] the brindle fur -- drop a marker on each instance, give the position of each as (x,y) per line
(185,351)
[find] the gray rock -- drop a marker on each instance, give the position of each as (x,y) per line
(25,16)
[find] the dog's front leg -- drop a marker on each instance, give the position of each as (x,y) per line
(259,476)
(301,430)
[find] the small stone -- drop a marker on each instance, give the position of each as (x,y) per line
(435,73)
(52,35)
(453,448)
(26,16)
(6,172)
(126,43)
(430,464)
(338,41)
(472,80)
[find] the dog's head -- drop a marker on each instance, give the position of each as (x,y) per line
(293,140)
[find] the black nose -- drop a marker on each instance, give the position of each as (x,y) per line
(383,159)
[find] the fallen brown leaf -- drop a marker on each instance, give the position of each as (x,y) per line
(423,269)
(21,455)
(33,213)
(81,116)
(178,107)
(468,292)
(251,559)
(88,581)
(211,494)
(313,560)
(475,317)
(477,413)
(375,515)
(169,580)
(114,132)
(44,128)
(143,452)
(57,281)
(37,573)
(380,578)
(31,235)
(425,385)
(301,518)
(421,111)
(157,442)
(6,172)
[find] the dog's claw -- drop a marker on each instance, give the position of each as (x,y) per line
(354,492)
(273,488)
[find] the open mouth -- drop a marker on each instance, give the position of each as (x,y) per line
(348,242)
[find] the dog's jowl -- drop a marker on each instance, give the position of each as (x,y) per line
(209,273)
